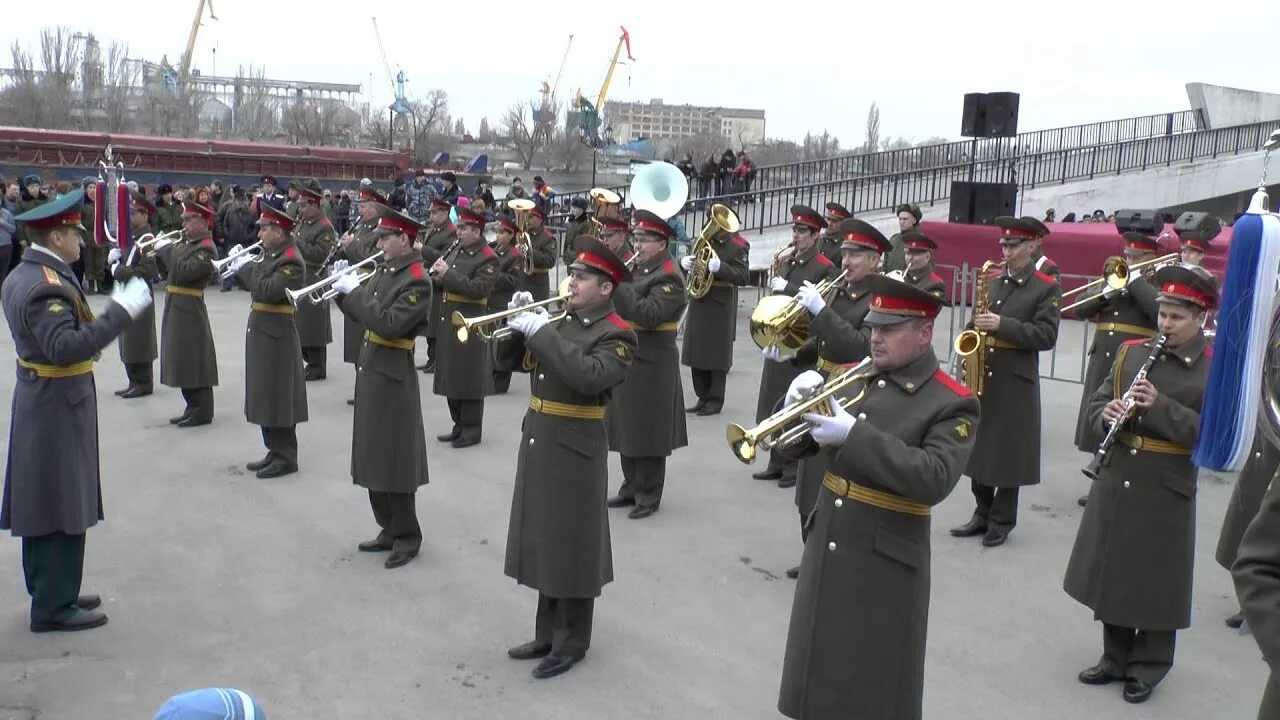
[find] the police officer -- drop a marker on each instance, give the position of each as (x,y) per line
(188,358)
(357,246)
(441,238)
(268,194)
(829,244)
(856,643)
(388,445)
(275,393)
(1135,549)
(804,264)
(137,343)
(510,278)
(919,249)
(558,539)
(316,240)
(1246,497)
(544,254)
(464,374)
(712,320)
(1041,261)
(52,490)
(1257,580)
(1022,321)
(646,416)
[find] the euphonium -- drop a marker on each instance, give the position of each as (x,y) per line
(700,279)
(969,344)
(522,207)
(781,321)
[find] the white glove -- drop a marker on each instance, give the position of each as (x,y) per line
(527,323)
(113,267)
(810,299)
(519,298)
(830,430)
(686,263)
(134,296)
(804,384)
(714,265)
(778,284)
(235,249)
(338,266)
(346,283)
(114,256)
(772,352)
(240,262)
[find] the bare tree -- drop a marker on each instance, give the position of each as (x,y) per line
(24,96)
(821,146)
(256,112)
(702,146)
(873,129)
(485,133)
(429,119)
(60,58)
(375,124)
(310,121)
(519,132)
(120,80)
(566,151)
(460,128)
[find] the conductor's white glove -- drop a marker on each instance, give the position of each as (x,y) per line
(527,323)
(134,296)
(346,282)
(114,256)
(833,429)
(772,352)
(520,298)
(338,266)
(686,263)
(778,284)
(810,299)
(804,385)
(714,265)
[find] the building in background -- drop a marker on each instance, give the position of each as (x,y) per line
(658,121)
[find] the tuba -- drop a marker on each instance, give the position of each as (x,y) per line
(659,188)
(969,344)
(522,207)
(722,219)
(781,321)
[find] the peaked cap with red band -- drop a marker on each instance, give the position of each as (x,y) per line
(391,222)
(913,240)
(1017,230)
(467,216)
(836,212)
(858,234)
(140,202)
(506,223)
(311,190)
(649,222)
(538,212)
(372,195)
(808,217)
(1134,240)
(894,301)
(191,209)
(272,216)
(595,257)
(1186,285)
(438,204)
(613,224)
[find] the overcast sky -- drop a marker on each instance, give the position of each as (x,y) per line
(811,66)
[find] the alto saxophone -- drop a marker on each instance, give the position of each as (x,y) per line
(970,343)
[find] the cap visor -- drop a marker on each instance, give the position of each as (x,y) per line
(875,318)
(383,232)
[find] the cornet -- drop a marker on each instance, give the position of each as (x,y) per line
(150,243)
(481,325)
(321,290)
(223,266)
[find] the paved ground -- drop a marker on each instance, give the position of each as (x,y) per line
(214,577)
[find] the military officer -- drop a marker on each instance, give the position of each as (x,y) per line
(1196,231)
(1135,549)
(52,490)
(1022,321)
(358,245)
(510,278)
(440,239)
(268,194)
(275,393)
(1246,498)
(828,243)
(805,264)
(909,217)
(1257,580)
(856,643)
(316,242)
(388,445)
(646,416)
(712,320)
(919,249)
(188,358)
(1042,262)
(558,539)
(137,343)
(544,254)
(464,374)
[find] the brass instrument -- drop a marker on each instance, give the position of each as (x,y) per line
(780,257)
(150,243)
(787,426)
(487,327)
(1095,465)
(700,279)
(969,345)
(223,266)
(781,321)
(522,207)
(603,199)
(322,289)
(1116,274)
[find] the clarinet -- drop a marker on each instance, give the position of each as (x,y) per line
(1095,466)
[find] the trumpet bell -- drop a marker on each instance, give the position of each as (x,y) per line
(773,322)
(659,188)
(741,443)
(520,205)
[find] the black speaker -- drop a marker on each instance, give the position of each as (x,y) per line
(971,121)
(1147,222)
(1198,222)
(1000,114)
(981,203)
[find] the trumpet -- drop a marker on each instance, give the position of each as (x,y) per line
(786,426)
(322,289)
(1116,274)
(486,326)
(522,207)
(150,243)
(223,266)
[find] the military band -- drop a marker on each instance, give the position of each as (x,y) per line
(544,254)
(712,321)
(829,242)
(358,245)
(511,278)
(315,240)
(138,349)
(188,358)
(441,237)
(1041,261)
(919,249)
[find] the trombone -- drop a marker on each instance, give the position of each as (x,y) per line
(321,290)
(1116,273)
(522,207)
(487,327)
(223,266)
(786,426)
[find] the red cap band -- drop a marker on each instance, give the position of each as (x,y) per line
(656,229)
(399,224)
(1186,292)
(807,220)
(864,240)
(599,263)
(1020,234)
(897,305)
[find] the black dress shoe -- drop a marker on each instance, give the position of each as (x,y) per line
(794,572)
(994,537)
(1083,500)
(194,422)
(696,406)
(709,409)
(428,368)
(375,545)
(175,420)
(278,468)
(120,393)
(1097,675)
(79,620)
(618,501)
(532,650)
(463,442)
(553,665)
(450,436)
(399,558)
(136,391)
(641,512)
(1235,621)
(976,526)
(352,402)
(767,475)
(257,465)
(787,482)
(314,373)
(1137,691)
(88,602)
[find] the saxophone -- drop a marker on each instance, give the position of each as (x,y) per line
(969,344)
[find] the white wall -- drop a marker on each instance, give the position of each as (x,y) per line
(1227,106)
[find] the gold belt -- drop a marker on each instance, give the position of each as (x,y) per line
(397,343)
(878,498)
(568,410)
(826,366)
(58,371)
(660,327)
(285,309)
(1004,344)
(456,298)
(1150,444)
(1126,328)
(541,271)
(722,283)
(190,292)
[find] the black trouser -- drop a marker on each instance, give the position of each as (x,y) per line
(315,356)
(501,381)
(1145,655)
(997,507)
(6,259)
(199,403)
(431,350)
(282,443)
(565,623)
(788,466)
(468,418)
(53,566)
(398,519)
(708,385)
(642,479)
(139,374)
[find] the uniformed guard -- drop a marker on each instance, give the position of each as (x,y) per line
(464,374)
(837,336)
(1135,549)
(919,249)
(646,415)
(275,393)
(52,490)
(357,246)
(511,278)
(1246,497)
(1021,322)
(188,357)
(558,539)
(856,643)
(1257,580)
(1042,262)
(315,240)
(388,445)
(712,320)
(828,243)
(909,217)
(805,264)
(1196,230)
(544,254)
(137,344)
(441,238)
